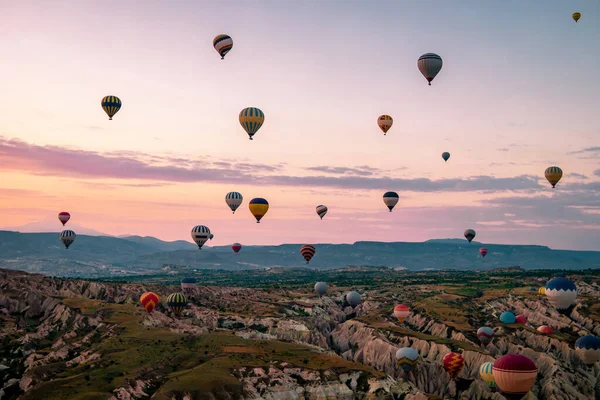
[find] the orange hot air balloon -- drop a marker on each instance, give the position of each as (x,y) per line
(401,312)
(453,364)
(514,375)
(149,301)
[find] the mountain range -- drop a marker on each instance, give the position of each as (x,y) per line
(104,256)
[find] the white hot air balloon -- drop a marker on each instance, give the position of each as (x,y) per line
(430,65)
(321,288)
(200,234)
(234,200)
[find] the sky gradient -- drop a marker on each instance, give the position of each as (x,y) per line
(519,91)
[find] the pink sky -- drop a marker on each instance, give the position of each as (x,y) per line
(166,161)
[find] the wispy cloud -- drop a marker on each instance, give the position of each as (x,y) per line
(595,149)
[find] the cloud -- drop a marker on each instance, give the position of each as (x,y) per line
(595,149)
(578,176)
(72,163)
(503,149)
(597,172)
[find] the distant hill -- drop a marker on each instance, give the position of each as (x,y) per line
(101,256)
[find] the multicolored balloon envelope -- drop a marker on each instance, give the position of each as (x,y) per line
(401,312)
(111,105)
(430,64)
(576,16)
(222,44)
(177,302)
(385,122)
(545,330)
(188,285)
(553,175)
(258,208)
(514,375)
(407,358)
(251,119)
(588,348)
(67,237)
(233,200)
(507,318)
(561,293)
(470,234)
(200,235)
(390,199)
(486,374)
(149,301)
(453,364)
(308,251)
(321,210)
(236,247)
(485,334)
(321,288)
(64,217)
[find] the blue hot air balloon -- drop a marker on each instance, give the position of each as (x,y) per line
(588,348)
(407,358)
(507,318)
(561,293)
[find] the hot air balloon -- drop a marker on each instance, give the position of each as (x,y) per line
(211,236)
(430,65)
(321,211)
(222,44)
(553,175)
(561,293)
(251,119)
(390,199)
(542,290)
(485,334)
(521,319)
(64,217)
(188,285)
(588,348)
(453,364)
(321,288)
(308,251)
(258,208)
(236,247)
(353,298)
(234,200)
(514,375)
(149,301)
(483,251)
(385,122)
(177,302)
(401,312)
(507,318)
(470,234)
(111,105)
(67,237)
(200,234)
(445,156)
(576,16)
(545,330)
(407,358)
(485,371)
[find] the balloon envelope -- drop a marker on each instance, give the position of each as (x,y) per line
(222,44)
(453,363)
(111,105)
(401,312)
(200,235)
(236,247)
(390,199)
(385,122)
(177,302)
(308,251)
(514,374)
(588,348)
(545,330)
(561,293)
(321,211)
(353,298)
(507,317)
(483,251)
(251,119)
(485,371)
(485,334)
(445,156)
(470,234)
(321,288)
(188,285)
(233,200)
(430,64)
(64,217)
(521,319)
(553,175)
(258,207)
(407,358)
(149,301)
(67,237)
(576,16)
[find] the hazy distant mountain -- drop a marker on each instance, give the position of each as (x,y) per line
(159,244)
(52,224)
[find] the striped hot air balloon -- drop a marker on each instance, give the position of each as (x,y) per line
(321,210)
(64,217)
(149,301)
(486,374)
(514,375)
(390,199)
(545,330)
(407,358)
(485,334)
(236,247)
(470,234)
(308,251)
(453,364)
(542,290)
(67,237)
(258,207)
(401,312)
(200,235)
(234,200)
(553,175)
(188,285)
(385,122)
(430,65)
(251,119)
(588,348)
(111,105)
(177,302)
(561,293)
(222,44)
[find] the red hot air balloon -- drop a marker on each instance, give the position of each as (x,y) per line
(149,300)
(453,364)
(485,334)
(308,251)
(64,217)
(514,375)
(521,319)
(401,312)
(236,247)
(483,251)
(545,330)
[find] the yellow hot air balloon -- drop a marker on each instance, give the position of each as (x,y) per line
(111,105)
(258,208)
(576,16)
(251,119)
(385,123)
(553,174)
